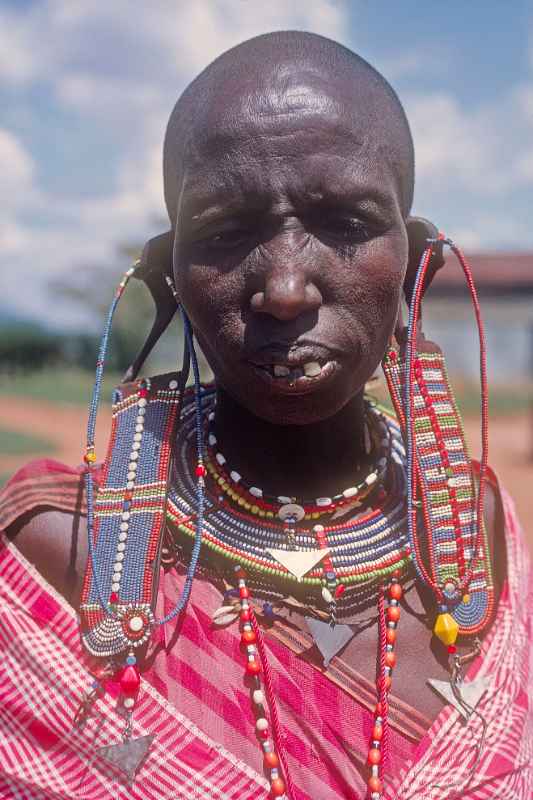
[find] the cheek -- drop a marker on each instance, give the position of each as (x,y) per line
(210,298)
(371,289)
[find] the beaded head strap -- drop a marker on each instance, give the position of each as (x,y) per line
(452,557)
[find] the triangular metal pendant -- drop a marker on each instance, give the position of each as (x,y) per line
(329,639)
(298,562)
(471,693)
(127,756)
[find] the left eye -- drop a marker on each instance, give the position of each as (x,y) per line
(346,229)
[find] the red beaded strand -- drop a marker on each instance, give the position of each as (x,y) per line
(388,622)
(251,642)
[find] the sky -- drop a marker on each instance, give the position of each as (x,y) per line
(86,89)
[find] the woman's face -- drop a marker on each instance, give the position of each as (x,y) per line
(291,250)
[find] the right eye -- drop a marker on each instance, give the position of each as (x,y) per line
(226,240)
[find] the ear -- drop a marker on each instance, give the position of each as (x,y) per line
(419,230)
(155,263)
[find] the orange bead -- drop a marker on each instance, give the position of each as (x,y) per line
(271,760)
(386,682)
(253,667)
(393,613)
(378,711)
(374,756)
(391,635)
(395,591)
(390,659)
(377,733)
(247,637)
(277,787)
(374,784)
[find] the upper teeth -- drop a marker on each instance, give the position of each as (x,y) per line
(311,369)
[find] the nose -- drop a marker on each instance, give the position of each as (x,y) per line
(289,287)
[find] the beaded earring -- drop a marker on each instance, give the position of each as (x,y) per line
(451,558)
(116,608)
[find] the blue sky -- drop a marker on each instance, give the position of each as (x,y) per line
(86,89)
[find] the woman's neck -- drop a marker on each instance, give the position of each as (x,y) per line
(318,459)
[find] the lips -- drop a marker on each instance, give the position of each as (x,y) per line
(297,370)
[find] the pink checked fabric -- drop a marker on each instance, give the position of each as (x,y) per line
(195,702)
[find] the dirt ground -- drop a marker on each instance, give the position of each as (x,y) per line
(511,443)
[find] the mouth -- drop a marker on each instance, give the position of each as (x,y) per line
(297,373)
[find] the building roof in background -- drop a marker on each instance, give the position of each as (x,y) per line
(494,272)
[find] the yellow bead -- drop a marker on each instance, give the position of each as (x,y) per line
(446,629)
(254,509)
(90,457)
(270,515)
(466,599)
(315,514)
(261,513)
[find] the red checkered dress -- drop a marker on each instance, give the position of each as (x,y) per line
(194,701)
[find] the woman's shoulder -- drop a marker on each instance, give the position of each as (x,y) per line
(43,512)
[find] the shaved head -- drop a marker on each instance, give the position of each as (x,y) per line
(274,77)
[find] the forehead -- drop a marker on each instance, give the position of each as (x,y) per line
(298,134)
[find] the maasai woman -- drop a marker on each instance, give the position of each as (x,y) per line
(287,591)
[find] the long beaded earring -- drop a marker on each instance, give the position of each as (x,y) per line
(451,557)
(116,611)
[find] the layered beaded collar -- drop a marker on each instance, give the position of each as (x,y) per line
(325,564)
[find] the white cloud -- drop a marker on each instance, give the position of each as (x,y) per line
(119,71)
(16,167)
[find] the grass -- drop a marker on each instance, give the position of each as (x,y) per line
(57,386)
(14,443)
(503,401)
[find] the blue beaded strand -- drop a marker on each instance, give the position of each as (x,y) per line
(91,426)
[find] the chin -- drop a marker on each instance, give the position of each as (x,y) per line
(293,409)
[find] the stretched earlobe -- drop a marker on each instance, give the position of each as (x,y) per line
(419,230)
(154,265)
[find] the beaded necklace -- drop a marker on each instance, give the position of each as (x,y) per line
(255,500)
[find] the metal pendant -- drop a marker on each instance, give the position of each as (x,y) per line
(291,511)
(298,562)
(462,696)
(127,756)
(329,639)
